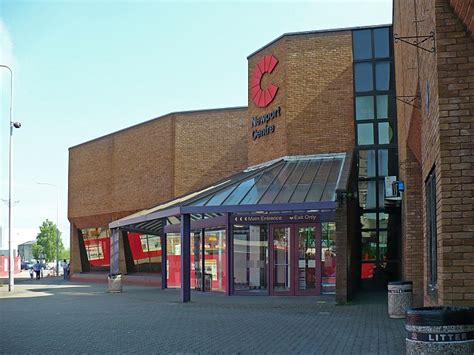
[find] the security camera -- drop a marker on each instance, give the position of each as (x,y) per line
(16,124)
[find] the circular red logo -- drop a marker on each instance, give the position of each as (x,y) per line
(263,98)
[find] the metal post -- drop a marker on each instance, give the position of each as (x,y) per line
(203,260)
(164,281)
(57,231)
(114,250)
(230,255)
(11,265)
(185,258)
(11,271)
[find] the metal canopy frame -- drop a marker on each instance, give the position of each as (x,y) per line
(192,213)
(141,222)
(332,182)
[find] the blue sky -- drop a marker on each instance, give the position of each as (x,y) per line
(83,69)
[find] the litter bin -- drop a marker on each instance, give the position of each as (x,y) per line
(207,282)
(114,282)
(440,330)
(400,298)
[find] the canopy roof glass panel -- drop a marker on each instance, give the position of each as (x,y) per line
(292,180)
(288,183)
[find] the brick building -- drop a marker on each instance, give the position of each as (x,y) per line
(283,197)
(436,147)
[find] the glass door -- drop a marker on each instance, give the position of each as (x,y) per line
(295,260)
(280,260)
(308,260)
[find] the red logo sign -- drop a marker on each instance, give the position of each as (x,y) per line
(260,97)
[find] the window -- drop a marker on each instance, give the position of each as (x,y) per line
(97,246)
(366,163)
(328,256)
(381,43)
(365,133)
(146,252)
(382,76)
(430,189)
(376,130)
(364,108)
(363,77)
(362,44)
(250,258)
(367,194)
(382,106)
(385,133)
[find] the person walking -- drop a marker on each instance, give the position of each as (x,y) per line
(65,267)
(37,270)
(31,272)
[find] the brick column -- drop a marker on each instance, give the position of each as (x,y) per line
(75,254)
(412,226)
(455,182)
(342,256)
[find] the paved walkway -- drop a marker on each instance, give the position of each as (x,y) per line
(56,316)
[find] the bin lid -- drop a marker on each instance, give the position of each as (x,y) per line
(114,274)
(399,283)
(440,316)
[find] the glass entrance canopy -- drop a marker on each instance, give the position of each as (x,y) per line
(293,183)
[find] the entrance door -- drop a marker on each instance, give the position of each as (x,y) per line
(295,259)
(281,260)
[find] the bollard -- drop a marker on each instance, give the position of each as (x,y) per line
(114,282)
(440,330)
(400,298)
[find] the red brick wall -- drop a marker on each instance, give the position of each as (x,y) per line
(121,172)
(144,165)
(464,9)
(446,141)
(210,146)
(273,145)
(319,104)
(314,75)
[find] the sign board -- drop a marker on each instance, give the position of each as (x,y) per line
(302,217)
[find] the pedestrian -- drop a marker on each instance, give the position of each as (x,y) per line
(64,266)
(37,270)
(31,272)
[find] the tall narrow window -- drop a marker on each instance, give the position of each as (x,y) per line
(430,187)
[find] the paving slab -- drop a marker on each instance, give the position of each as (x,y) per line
(56,316)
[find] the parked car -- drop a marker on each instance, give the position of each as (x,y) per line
(25,265)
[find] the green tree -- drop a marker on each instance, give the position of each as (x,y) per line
(65,254)
(46,242)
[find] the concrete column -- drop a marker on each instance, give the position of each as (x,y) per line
(185,258)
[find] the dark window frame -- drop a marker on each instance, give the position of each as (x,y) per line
(431,230)
(391,119)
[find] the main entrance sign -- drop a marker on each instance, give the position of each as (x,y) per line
(246,219)
(263,97)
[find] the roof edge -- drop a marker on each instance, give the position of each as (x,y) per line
(236,108)
(315,32)
(296,157)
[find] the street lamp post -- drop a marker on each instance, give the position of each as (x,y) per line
(11,271)
(57,223)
